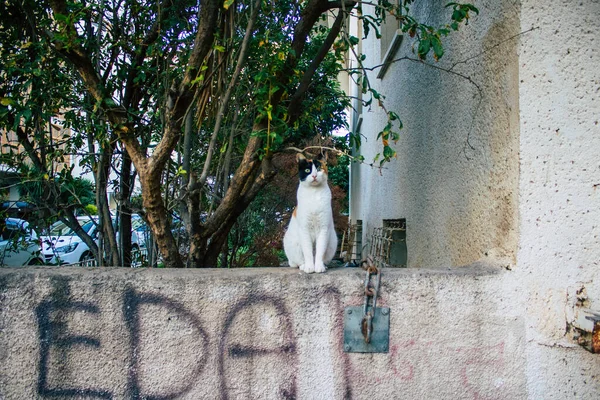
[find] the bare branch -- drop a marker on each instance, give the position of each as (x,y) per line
(293,108)
(241,61)
(337,151)
(466,60)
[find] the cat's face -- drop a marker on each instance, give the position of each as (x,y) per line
(312,172)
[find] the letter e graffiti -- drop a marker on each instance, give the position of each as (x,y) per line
(55,338)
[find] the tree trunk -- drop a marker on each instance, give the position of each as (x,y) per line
(246,184)
(158,220)
(124,217)
(108,233)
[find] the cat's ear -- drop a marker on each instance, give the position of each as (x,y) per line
(300,157)
(322,157)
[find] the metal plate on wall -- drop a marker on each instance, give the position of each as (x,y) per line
(354,341)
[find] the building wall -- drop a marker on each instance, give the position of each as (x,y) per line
(559,203)
(455,179)
(509,175)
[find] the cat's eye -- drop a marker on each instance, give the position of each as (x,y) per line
(307,171)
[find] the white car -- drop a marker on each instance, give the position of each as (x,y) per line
(19,244)
(63,246)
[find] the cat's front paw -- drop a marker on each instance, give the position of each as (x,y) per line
(320,267)
(308,268)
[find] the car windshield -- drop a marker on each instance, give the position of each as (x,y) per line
(59,228)
(87,226)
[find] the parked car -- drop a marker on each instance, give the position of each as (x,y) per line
(63,246)
(19,244)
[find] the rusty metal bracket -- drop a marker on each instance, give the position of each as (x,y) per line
(587,324)
(367,328)
(354,341)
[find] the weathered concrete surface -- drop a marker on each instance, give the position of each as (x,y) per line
(559,199)
(456,175)
(254,333)
(498,161)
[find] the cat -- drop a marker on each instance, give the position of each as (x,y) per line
(310,241)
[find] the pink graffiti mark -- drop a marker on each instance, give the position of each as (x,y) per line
(403,369)
(486,360)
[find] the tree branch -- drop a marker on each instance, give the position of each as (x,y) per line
(132,90)
(293,108)
(241,62)
(181,96)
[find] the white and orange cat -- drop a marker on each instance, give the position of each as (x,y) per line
(310,241)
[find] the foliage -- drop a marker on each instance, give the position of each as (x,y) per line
(75,193)
(90,209)
(45,119)
(201,98)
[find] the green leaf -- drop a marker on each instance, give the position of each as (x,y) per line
(354,139)
(199,79)
(471,7)
(60,17)
(6,101)
(424,47)
(109,102)
(269,111)
(223,148)
(438,50)
(26,114)
(388,152)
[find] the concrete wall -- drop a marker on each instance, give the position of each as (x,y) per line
(255,333)
(559,202)
(455,179)
(272,334)
(509,174)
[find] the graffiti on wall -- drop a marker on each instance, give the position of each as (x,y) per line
(257,330)
(254,352)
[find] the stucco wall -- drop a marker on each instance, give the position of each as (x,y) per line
(559,199)
(272,334)
(526,194)
(255,333)
(455,179)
